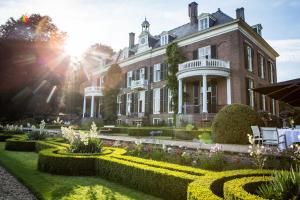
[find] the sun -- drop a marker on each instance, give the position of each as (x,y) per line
(75,47)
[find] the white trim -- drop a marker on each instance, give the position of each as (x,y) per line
(157,118)
(156,101)
(205,71)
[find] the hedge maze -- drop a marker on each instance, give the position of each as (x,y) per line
(161,179)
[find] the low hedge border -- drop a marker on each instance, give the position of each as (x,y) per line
(19,143)
(165,180)
(4,137)
(235,189)
(211,186)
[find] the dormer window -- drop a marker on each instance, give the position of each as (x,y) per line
(164,39)
(203,23)
(257,28)
(205,20)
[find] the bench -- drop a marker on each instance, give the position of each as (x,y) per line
(107,129)
(155,133)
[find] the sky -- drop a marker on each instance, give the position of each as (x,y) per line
(108,22)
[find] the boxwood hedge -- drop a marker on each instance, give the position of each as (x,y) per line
(165,180)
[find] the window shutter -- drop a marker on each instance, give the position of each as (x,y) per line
(245,55)
(123,104)
(165,99)
(147,102)
(247,91)
(252,56)
(146,73)
(137,74)
(161,99)
(150,101)
(151,74)
(213,53)
(258,65)
(195,54)
(265,69)
(136,102)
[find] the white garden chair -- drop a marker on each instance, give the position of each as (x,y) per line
(270,136)
(256,134)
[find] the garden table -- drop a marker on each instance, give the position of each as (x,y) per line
(291,136)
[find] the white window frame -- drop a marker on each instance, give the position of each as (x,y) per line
(203,23)
(249,58)
(164,39)
(156,72)
(156,101)
(128,103)
(142,73)
(264,102)
(119,101)
(154,119)
(271,66)
(262,67)
(141,97)
(129,78)
(170,109)
(273,107)
(251,93)
(204,52)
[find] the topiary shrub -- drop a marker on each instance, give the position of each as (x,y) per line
(232,124)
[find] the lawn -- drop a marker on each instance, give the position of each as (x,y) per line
(46,186)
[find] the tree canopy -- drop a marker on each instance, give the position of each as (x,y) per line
(37,28)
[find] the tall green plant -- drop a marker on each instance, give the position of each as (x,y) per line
(174,58)
(112,84)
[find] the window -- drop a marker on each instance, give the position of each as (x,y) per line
(141,99)
(249,59)
(156,121)
(157,72)
(272,77)
(170,102)
(170,121)
(142,73)
(119,121)
(203,23)
(164,39)
(119,101)
(156,101)
(250,93)
(273,107)
(204,52)
(262,67)
(129,100)
(129,78)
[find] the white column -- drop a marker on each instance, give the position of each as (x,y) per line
(180,96)
(204,86)
(84,106)
(228,90)
(92,106)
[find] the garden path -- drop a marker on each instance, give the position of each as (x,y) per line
(12,189)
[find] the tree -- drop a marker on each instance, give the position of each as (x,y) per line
(112,84)
(174,58)
(37,28)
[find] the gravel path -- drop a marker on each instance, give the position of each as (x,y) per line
(12,189)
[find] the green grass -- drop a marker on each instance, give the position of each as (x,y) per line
(23,165)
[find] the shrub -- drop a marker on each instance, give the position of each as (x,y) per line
(90,145)
(213,162)
(232,124)
(244,188)
(183,135)
(38,134)
(284,185)
(19,144)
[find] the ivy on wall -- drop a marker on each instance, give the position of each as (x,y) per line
(174,58)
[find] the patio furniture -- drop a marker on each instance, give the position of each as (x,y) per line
(107,129)
(271,136)
(291,136)
(256,134)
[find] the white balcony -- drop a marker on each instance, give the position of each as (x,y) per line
(93,91)
(141,84)
(203,67)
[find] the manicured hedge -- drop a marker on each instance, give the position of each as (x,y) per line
(165,180)
(210,187)
(19,143)
(235,189)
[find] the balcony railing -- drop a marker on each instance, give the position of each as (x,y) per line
(93,91)
(139,84)
(201,63)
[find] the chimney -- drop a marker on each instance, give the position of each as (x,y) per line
(193,12)
(131,40)
(240,13)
